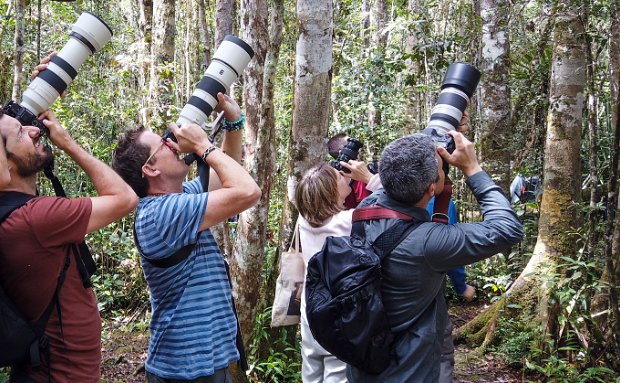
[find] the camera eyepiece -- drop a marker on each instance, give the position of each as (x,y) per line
(348,152)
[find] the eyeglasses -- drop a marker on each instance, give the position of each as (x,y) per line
(163,143)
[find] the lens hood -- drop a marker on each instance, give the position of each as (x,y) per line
(462,76)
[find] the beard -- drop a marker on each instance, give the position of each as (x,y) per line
(32,164)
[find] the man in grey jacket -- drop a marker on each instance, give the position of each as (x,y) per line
(414,272)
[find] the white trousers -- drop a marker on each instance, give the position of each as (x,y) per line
(317,365)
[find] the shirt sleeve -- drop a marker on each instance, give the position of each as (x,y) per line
(176,221)
(58,221)
(450,246)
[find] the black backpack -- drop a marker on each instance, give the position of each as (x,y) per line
(343,292)
(20,340)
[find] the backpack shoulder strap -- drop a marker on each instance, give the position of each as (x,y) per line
(179,256)
(12,201)
(390,238)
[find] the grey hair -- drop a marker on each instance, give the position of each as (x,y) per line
(408,167)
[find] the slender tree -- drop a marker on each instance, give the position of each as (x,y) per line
(225,21)
(613,253)
(18,78)
(248,253)
(494,132)
(162,68)
(204,33)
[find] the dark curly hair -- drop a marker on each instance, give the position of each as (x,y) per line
(128,158)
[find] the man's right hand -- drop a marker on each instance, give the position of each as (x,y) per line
(464,156)
(190,138)
(58,135)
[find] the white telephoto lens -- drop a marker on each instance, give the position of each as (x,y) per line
(222,73)
(235,53)
(94,31)
(39,96)
(198,109)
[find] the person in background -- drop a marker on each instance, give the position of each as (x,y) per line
(359,178)
(457,275)
(320,198)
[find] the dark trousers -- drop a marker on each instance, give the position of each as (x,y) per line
(219,376)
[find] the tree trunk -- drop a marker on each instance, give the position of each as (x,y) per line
(613,253)
(162,69)
(204,34)
(377,21)
(18,78)
(248,254)
(146,22)
(494,136)
(225,21)
(558,216)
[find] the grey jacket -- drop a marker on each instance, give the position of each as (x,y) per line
(414,273)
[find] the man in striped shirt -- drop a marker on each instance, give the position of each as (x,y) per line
(193,328)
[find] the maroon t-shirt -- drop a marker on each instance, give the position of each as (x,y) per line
(358,193)
(33,245)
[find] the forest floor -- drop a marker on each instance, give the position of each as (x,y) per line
(124,352)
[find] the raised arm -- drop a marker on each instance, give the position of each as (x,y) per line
(238,192)
(231,144)
(115,198)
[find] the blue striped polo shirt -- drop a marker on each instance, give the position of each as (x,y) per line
(193,327)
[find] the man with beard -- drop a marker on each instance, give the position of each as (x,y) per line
(35,245)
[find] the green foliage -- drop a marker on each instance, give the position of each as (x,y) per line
(283,365)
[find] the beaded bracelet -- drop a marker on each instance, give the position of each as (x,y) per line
(232,126)
(207,152)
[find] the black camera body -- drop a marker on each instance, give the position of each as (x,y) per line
(24,116)
(349,152)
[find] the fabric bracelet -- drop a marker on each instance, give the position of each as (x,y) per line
(207,152)
(232,126)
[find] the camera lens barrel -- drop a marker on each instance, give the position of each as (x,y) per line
(229,61)
(459,84)
(350,151)
(88,35)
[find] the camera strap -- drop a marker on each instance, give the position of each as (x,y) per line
(83,258)
(442,203)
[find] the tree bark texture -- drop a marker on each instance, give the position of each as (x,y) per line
(224,19)
(204,34)
(613,258)
(494,134)
(558,215)
(20,7)
(163,68)
(146,22)
(248,254)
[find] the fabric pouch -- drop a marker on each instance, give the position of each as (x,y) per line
(286,309)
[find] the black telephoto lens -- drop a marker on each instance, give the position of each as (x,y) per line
(459,84)
(349,152)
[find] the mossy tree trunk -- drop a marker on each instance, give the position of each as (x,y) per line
(558,215)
